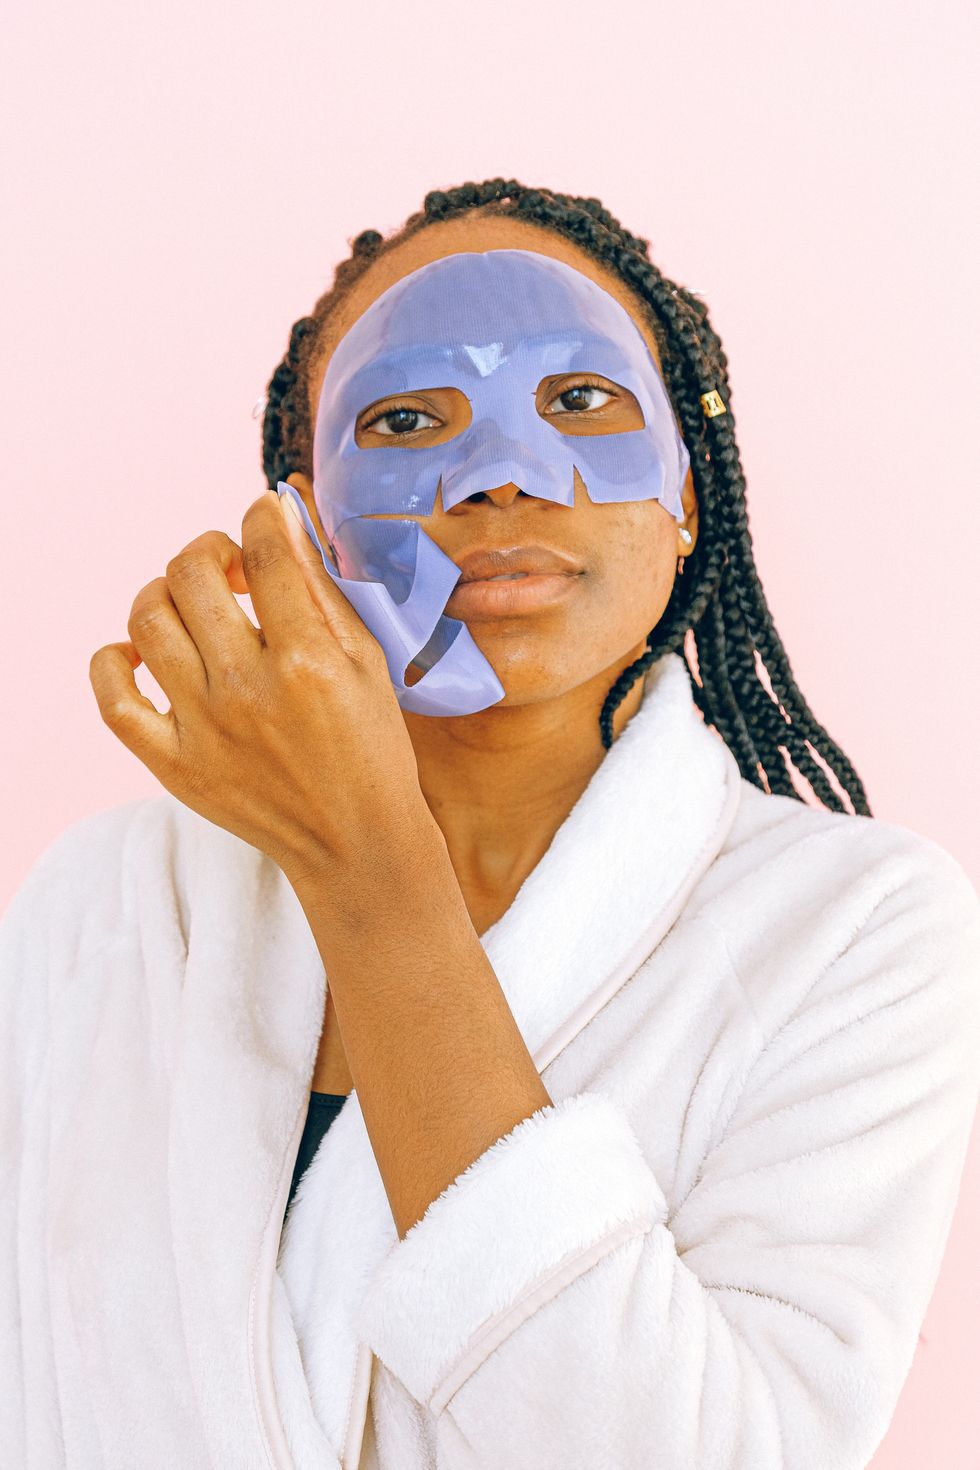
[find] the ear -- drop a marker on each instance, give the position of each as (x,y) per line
(689,500)
(304,485)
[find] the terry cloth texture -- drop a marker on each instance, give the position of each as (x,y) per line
(759,1023)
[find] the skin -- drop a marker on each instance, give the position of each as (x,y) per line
(401,861)
(502,781)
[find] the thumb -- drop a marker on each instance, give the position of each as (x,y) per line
(325,593)
(305,544)
(307,550)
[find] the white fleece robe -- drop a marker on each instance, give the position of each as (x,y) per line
(759,1022)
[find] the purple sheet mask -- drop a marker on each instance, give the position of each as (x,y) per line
(491,324)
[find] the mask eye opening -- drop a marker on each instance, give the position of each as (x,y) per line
(617,412)
(447,412)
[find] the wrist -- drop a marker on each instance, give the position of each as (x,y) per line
(396,850)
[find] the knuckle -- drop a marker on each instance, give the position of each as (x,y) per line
(203,547)
(146,619)
(116,712)
(214,538)
(362,648)
(152,598)
(236,683)
(354,649)
(188,565)
(260,554)
(372,654)
(297,662)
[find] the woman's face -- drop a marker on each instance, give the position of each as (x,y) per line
(626,550)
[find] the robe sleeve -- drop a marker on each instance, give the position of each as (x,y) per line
(50,931)
(551,1312)
(30,1429)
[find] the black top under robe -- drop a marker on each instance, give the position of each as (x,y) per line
(324,1107)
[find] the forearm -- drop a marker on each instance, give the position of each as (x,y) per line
(439,1065)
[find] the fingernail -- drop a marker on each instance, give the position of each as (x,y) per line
(288,504)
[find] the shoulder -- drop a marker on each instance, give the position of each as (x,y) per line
(800,850)
(91,839)
(105,872)
(811,901)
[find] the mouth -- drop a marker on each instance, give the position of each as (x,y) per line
(510,594)
(489,563)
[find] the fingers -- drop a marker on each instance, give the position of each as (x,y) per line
(200,580)
(292,593)
(341,618)
(161,640)
(133,718)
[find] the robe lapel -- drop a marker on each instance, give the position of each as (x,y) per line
(619,868)
(610,885)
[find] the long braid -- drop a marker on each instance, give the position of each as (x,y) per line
(719,605)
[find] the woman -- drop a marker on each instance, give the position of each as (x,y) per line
(649,1084)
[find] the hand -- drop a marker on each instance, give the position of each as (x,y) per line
(288,735)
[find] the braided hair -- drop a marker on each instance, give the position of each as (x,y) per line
(717,612)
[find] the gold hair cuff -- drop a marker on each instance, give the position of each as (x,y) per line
(713,404)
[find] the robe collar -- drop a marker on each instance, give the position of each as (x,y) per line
(612,882)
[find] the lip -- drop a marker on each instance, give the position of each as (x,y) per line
(484,562)
(504,599)
(546,577)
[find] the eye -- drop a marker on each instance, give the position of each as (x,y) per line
(581,396)
(420,418)
(399,419)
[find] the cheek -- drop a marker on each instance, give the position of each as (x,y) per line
(629,550)
(631,560)
(636,561)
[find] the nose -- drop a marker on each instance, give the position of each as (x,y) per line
(501,495)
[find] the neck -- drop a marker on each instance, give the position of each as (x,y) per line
(501,782)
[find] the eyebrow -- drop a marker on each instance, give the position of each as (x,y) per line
(402,393)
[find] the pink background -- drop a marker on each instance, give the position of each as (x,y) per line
(183,178)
